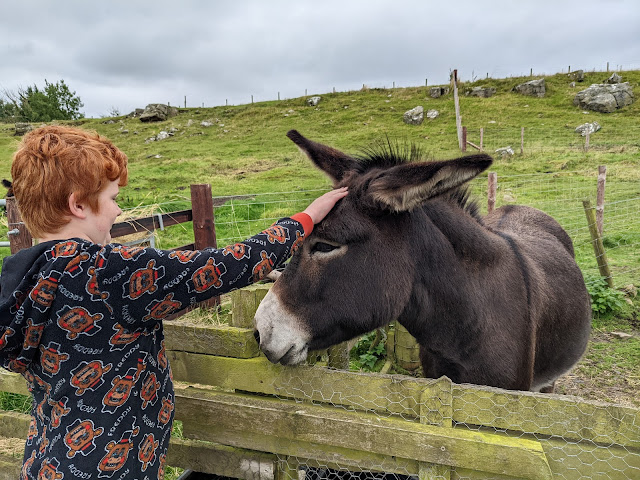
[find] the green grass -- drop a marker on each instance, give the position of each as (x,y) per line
(250,153)
(15,402)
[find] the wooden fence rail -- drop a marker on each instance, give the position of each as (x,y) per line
(247,418)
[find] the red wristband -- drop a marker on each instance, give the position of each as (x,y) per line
(305,220)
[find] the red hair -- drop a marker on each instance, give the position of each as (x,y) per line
(53,162)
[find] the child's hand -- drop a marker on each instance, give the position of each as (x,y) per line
(323,204)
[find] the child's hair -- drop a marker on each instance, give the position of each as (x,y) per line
(51,163)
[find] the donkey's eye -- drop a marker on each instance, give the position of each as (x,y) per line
(323,247)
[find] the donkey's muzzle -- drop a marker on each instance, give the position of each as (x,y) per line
(279,333)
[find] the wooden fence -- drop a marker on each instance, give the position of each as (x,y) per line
(244,417)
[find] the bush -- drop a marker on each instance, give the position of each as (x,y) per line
(55,102)
(604,300)
(366,353)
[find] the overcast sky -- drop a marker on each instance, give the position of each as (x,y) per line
(125,54)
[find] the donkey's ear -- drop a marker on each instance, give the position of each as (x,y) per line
(404,187)
(331,161)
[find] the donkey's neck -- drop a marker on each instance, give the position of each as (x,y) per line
(469,240)
(457,251)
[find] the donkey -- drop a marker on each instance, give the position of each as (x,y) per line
(496,301)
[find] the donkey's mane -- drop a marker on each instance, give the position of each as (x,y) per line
(386,154)
(462,198)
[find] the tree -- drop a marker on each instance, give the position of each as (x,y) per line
(7,110)
(55,102)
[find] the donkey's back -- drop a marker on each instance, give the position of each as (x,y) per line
(558,300)
(527,222)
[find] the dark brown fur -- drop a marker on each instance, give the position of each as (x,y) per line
(497,301)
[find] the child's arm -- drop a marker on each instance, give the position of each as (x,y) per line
(144,285)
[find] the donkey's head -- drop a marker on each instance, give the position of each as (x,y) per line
(356,270)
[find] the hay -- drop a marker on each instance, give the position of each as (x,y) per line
(13,447)
(140,211)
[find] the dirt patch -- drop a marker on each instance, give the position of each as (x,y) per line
(616,382)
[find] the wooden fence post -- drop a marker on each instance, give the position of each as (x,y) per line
(602,179)
(19,236)
(596,240)
(456,102)
(464,139)
(493,187)
(286,468)
(406,349)
(338,356)
(204,228)
(436,408)
(244,303)
(586,140)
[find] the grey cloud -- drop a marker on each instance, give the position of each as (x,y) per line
(123,54)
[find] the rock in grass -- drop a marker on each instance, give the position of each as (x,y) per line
(605,98)
(534,88)
(415,116)
(158,112)
(588,127)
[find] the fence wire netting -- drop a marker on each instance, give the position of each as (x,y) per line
(339,423)
(560,194)
(495,432)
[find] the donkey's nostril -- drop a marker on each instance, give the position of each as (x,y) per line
(256,335)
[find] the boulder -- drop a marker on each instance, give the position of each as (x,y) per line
(415,116)
(313,101)
(22,128)
(505,151)
(136,113)
(588,127)
(484,92)
(158,112)
(605,98)
(577,76)
(614,78)
(534,88)
(436,92)
(161,136)
(431,114)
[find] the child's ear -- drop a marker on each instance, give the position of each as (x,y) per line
(77,209)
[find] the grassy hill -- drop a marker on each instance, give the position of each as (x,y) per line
(246,151)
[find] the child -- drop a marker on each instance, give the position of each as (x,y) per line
(81,319)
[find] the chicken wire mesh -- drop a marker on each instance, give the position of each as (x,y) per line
(559,194)
(578,439)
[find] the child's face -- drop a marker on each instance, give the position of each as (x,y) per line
(99,224)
